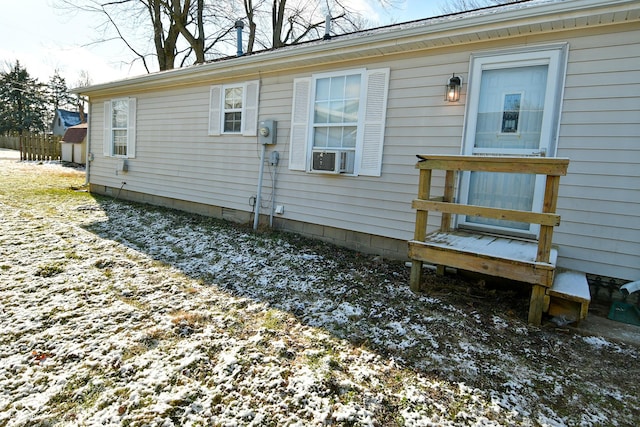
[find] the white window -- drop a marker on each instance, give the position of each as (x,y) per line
(120,127)
(338,122)
(234,109)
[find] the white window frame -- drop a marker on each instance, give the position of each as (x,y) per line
(248,112)
(232,110)
(350,152)
(108,145)
(374,87)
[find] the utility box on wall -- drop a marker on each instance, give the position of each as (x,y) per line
(267,132)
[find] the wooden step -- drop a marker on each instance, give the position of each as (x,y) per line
(569,296)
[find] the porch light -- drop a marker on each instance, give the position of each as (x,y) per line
(452,90)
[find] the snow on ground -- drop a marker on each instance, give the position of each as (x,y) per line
(115,313)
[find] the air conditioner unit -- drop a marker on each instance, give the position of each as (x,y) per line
(332,161)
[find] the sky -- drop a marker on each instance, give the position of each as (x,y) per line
(46,38)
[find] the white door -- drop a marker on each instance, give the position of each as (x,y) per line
(512,111)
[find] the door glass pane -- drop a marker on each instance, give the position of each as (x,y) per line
(504,191)
(510,108)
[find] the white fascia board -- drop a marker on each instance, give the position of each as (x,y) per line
(378,41)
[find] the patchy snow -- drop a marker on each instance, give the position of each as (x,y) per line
(123,314)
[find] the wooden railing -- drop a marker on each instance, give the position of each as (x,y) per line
(40,147)
(525,261)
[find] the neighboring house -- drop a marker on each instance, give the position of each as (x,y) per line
(73,144)
(64,119)
(554,78)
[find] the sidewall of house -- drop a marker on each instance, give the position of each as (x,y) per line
(599,199)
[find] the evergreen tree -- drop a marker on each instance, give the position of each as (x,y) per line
(22,102)
(58,93)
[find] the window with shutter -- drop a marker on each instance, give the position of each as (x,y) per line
(234,109)
(338,121)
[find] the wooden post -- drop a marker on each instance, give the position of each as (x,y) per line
(548,206)
(536,305)
(445,224)
(424,190)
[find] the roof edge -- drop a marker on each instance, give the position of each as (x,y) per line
(376,39)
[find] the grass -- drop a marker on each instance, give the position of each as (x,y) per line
(50,269)
(272,319)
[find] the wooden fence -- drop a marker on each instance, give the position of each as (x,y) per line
(39,147)
(10,142)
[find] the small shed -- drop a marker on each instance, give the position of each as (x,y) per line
(74,144)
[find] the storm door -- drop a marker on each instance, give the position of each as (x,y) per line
(513,111)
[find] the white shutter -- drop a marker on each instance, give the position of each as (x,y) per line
(250,110)
(131,129)
(215,94)
(377,87)
(107,143)
(299,124)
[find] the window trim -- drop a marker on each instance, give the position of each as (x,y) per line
(249,111)
(374,89)
(108,143)
(357,149)
(224,110)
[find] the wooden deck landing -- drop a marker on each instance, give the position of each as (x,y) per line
(521,260)
(489,254)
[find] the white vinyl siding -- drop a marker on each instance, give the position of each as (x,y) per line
(598,201)
(599,198)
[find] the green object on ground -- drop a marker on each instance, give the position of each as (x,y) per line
(625,313)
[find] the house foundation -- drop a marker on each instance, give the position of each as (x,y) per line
(385,247)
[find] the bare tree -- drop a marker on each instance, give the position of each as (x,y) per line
(278,23)
(183,32)
(84,80)
(134,23)
(250,11)
(164,41)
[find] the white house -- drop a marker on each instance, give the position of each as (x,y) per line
(553,78)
